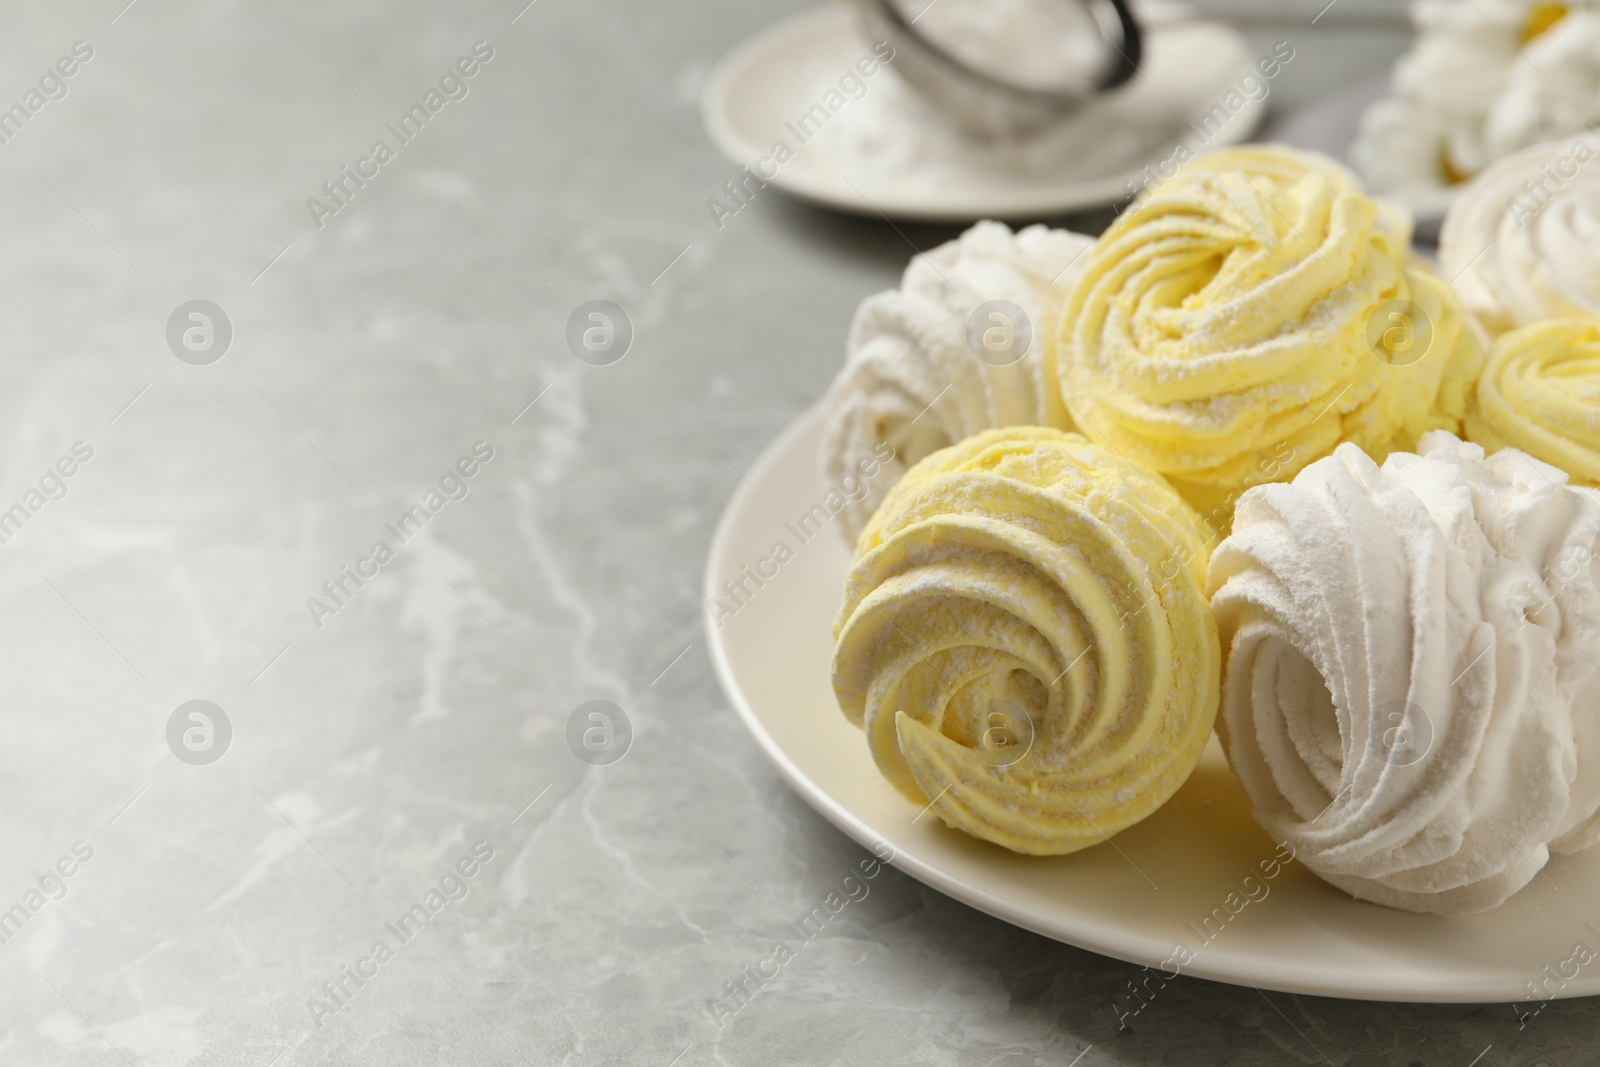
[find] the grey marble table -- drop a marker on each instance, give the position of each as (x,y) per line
(397,858)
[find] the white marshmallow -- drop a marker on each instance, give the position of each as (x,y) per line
(1523,238)
(1412,690)
(912,381)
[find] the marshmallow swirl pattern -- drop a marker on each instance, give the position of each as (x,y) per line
(1523,239)
(911,380)
(1223,333)
(1026,641)
(1541,393)
(1412,695)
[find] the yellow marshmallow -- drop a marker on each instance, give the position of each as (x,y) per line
(1239,320)
(1541,393)
(1026,641)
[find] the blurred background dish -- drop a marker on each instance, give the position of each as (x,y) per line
(1006,67)
(876,147)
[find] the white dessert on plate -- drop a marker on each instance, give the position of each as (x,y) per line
(1411,694)
(913,380)
(1523,239)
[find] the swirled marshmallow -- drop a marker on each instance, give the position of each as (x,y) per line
(1522,241)
(1026,641)
(918,375)
(1412,691)
(1541,393)
(1249,314)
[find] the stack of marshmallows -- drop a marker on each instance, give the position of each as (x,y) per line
(1245,462)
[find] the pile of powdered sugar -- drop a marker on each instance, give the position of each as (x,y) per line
(892,134)
(1034,43)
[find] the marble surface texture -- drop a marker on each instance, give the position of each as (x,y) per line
(212,906)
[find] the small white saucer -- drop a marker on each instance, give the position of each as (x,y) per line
(858,160)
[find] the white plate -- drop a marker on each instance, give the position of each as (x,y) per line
(781,72)
(1135,897)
